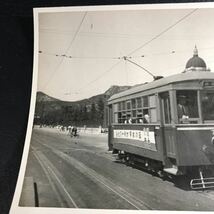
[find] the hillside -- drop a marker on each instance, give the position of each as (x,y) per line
(90,112)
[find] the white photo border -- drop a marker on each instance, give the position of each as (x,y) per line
(15,208)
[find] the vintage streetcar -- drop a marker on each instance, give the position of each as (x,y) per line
(167,125)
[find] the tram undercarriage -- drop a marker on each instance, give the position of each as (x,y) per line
(197,177)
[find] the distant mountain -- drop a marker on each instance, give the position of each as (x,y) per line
(52,111)
(115,89)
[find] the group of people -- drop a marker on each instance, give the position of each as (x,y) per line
(71,130)
(184,108)
(145,119)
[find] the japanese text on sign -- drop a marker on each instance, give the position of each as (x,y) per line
(144,135)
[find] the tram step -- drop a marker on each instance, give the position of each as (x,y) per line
(172,170)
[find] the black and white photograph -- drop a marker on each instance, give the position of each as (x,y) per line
(122,110)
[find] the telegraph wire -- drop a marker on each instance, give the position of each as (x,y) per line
(67,49)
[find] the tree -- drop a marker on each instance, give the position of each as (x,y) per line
(100,110)
(93,113)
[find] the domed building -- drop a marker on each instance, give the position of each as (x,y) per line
(196,63)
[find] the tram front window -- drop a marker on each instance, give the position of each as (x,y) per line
(187,105)
(207,104)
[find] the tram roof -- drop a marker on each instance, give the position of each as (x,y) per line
(181,77)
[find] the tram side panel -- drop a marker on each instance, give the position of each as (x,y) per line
(195,146)
(165,144)
(169,138)
(145,141)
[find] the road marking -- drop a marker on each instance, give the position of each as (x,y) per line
(46,164)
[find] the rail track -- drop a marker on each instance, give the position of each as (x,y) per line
(102,181)
(106,185)
(55,181)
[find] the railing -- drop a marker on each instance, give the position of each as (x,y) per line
(202,183)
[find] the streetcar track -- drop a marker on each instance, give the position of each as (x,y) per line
(99,154)
(47,174)
(65,151)
(51,175)
(93,175)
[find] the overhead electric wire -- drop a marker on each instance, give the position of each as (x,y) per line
(68,48)
(100,76)
(77,57)
(135,50)
(162,32)
(130,57)
(152,39)
(146,43)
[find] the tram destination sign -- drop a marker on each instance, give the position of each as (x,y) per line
(142,138)
(208,84)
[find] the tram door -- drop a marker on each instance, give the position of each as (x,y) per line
(165,109)
(166,127)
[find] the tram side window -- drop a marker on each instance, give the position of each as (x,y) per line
(149,109)
(145,102)
(133,103)
(119,106)
(115,110)
(136,110)
(123,105)
(153,111)
(128,105)
(187,104)
(139,102)
(207,104)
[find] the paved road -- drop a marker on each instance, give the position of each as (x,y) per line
(81,173)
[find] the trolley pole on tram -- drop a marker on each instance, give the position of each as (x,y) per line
(154,77)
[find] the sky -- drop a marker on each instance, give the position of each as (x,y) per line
(81,52)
